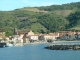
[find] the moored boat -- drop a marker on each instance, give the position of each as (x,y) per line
(3,45)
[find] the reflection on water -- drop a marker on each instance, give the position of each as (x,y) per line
(37,52)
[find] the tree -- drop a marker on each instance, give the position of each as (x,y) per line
(9,33)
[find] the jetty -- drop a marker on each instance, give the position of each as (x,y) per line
(63,47)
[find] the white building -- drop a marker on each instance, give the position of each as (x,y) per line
(18,40)
(33,37)
(51,36)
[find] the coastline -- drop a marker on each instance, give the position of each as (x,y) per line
(39,42)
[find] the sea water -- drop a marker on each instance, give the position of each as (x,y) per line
(37,52)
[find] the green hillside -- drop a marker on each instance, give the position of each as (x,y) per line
(76,28)
(43,19)
(63,12)
(33,9)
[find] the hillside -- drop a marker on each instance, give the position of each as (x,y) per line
(63,12)
(33,9)
(43,19)
(68,6)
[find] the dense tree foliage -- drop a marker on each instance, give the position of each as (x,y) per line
(53,22)
(8,21)
(74,19)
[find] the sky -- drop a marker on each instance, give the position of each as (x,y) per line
(7,5)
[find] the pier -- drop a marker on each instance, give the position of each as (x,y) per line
(63,47)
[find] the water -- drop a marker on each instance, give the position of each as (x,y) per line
(37,52)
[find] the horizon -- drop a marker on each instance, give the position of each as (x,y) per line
(8,5)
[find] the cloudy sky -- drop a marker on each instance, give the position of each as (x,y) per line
(15,4)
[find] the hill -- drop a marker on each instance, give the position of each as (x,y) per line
(63,12)
(33,9)
(43,19)
(68,6)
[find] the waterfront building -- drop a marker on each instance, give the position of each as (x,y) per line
(32,37)
(17,39)
(51,36)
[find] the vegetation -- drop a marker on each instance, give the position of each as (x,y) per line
(68,6)
(53,22)
(74,19)
(43,19)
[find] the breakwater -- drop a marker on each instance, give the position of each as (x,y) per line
(63,47)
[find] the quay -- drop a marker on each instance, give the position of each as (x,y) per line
(63,47)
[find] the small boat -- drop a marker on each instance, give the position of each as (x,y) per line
(3,45)
(10,45)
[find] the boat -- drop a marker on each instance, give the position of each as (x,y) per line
(3,45)
(9,45)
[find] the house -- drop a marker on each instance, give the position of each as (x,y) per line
(17,39)
(33,38)
(69,35)
(51,36)
(29,36)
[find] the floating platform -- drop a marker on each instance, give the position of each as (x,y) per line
(63,47)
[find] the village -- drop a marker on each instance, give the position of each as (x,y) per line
(22,38)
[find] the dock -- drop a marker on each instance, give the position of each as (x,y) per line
(63,47)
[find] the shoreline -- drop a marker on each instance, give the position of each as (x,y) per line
(67,41)
(56,42)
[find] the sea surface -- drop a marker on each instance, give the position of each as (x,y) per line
(38,52)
